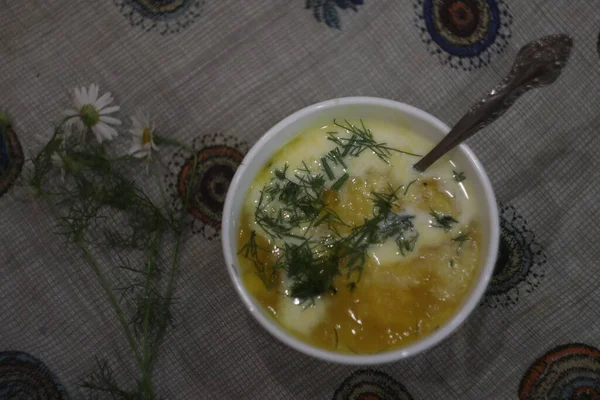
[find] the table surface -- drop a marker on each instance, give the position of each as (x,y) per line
(224,72)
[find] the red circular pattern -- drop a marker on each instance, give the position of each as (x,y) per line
(570,372)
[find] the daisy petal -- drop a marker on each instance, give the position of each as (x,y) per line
(138,126)
(71,121)
(84,95)
(77,99)
(146,120)
(109,133)
(109,130)
(109,110)
(103,101)
(109,120)
(135,150)
(155,147)
(70,112)
(93,94)
(98,133)
(136,132)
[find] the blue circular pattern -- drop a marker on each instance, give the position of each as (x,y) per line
(464,33)
(446,32)
(164,16)
(521,260)
(161,9)
(370,384)
(23,376)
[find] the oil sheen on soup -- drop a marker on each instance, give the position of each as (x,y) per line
(349,248)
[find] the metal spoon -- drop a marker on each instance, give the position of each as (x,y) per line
(538,64)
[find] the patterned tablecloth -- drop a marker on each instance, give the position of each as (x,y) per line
(221,73)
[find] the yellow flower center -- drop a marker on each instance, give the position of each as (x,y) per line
(89,115)
(146,136)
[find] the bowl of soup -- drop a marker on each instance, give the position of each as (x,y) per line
(340,249)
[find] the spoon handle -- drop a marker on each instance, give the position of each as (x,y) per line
(538,64)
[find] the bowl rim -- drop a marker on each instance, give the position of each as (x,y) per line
(490,207)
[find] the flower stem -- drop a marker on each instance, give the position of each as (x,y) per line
(147,367)
(176,253)
(89,258)
(172,142)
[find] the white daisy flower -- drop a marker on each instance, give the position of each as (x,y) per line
(92,112)
(142,132)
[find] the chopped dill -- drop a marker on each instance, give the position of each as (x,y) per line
(327,169)
(361,140)
(312,269)
(459,176)
(461,239)
(336,157)
(280,173)
(289,192)
(408,187)
(250,251)
(384,201)
(443,221)
(401,228)
(337,339)
(340,182)
(407,243)
(290,204)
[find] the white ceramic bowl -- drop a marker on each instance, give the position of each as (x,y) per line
(354,108)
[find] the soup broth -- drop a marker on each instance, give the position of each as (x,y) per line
(349,248)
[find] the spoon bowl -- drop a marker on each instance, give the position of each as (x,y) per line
(538,63)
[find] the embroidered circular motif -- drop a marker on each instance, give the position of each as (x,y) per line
(464,33)
(11,158)
(569,372)
(25,377)
(164,16)
(370,384)
(218,158)
(521,260)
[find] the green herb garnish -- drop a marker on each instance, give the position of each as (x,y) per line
(337,340)
(408,187)
(408,243)
(311,267)
(384,201)
(401,228)
(340,182)
(280,173)
(460,240)
(336,157)
(327,169)
(361,140)
(443,221)
(459,176)
(290,205)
